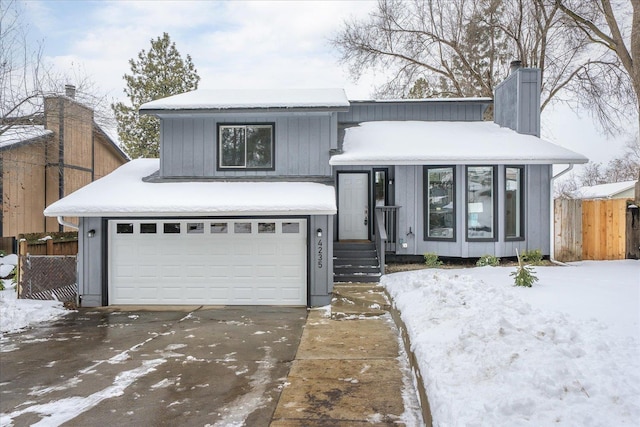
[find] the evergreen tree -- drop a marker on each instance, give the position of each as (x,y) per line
(158,73)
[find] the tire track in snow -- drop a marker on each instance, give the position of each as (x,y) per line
(60,411)
(57,412)
(236,412)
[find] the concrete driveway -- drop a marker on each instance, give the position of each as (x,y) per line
(208,366)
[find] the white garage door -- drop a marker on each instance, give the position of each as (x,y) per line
(212,262)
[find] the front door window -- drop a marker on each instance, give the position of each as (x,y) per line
(380,188)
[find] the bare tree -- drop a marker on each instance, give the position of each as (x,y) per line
(614,30)
(452,48)
(26,78)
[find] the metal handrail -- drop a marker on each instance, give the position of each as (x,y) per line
(381,238)
(386,231)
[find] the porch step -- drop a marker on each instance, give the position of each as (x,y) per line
(355,262)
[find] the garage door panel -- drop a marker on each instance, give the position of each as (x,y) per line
(206,266)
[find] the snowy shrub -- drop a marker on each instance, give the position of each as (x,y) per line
(490,260)
(431,259)
(524,274)
(533,256)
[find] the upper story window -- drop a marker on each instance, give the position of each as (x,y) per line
(246,146)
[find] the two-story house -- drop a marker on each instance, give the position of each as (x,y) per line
(254,188)
(48,157)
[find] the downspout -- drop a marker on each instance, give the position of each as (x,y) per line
(64,223)
(551,215)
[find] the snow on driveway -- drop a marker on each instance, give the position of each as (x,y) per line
(566,351)
(19,314)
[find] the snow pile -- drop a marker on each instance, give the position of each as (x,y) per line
(7,265)
(490,356)
(18,314)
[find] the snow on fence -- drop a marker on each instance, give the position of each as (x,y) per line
(589,229)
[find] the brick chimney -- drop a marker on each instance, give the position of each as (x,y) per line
(517,100)
(70,91)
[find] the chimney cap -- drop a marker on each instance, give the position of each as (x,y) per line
(70,91)
(515,65)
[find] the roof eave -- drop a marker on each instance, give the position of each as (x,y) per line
(450,161)
(158,214)
(197,111)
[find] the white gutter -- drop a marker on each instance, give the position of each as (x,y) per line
(551,215)
(61,221)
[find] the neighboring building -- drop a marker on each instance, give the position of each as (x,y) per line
(254,190)
(614,190)
(49,158)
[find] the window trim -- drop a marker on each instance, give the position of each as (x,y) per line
(425,192)
(521,207)
(221,126)
(495,205)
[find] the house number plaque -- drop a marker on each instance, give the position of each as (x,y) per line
(320,253)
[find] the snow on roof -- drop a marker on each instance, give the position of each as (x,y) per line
(424,143)
(22,133)
(123,193)
(203,99)
(603,191)
(410,100)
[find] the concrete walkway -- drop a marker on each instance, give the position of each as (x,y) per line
(347,370)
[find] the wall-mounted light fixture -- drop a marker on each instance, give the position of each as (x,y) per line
(390,182)
(91,233)
(319,232)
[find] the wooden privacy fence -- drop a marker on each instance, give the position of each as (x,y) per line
(567,229)
(7,244)
(589,229)
(48,247)
(603,229)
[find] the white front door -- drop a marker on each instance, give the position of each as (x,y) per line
(353,206)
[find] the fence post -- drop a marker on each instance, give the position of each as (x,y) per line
(22,251)
(50,247)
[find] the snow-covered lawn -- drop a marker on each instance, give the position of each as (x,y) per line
(18,314)
(566,351)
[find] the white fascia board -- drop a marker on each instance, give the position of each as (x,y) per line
(450,161)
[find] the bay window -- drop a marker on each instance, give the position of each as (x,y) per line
(481,199)
(440,214)
(514,203)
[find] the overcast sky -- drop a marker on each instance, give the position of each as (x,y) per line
(238,44)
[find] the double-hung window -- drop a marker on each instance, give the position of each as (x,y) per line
(481,203)
(440,218)
(246,146)
(514,203)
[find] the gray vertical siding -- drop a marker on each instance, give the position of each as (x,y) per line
(409,194)
(302,144)
(90,261)
(367,111)
(517,102)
